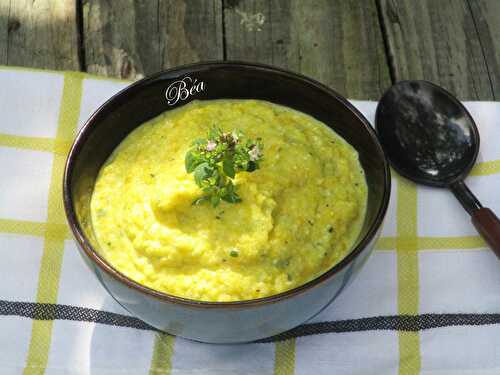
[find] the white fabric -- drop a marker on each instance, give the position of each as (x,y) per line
(450,280)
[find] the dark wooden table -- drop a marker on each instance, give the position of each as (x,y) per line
(357,47)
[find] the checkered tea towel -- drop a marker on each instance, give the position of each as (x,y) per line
(427,301)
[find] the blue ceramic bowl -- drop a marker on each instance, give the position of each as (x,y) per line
(221,322)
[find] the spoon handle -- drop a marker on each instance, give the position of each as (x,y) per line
(488,226)
(484,219)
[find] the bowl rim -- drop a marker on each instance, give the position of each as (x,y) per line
(108,269)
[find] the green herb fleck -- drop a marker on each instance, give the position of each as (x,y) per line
(101,213)
(282,263)
(216,160)
(234,253)
(330,229)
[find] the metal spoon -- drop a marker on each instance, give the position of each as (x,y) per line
(430,138)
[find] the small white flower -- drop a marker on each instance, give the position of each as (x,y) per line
(254,153)
(211,145)
(235,136)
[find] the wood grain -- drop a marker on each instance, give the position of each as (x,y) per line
(455,43)
(337,42)
(4,30)
(436,41)
(130,39)
(40,34)
(486,15)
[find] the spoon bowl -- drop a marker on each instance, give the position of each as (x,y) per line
(427,134)
(430,137)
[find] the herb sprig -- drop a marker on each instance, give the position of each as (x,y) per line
(216,160)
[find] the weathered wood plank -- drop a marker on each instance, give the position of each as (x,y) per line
(40,34)
(4,29)
(436,41)
(132,38)
(486,14)
(337,42)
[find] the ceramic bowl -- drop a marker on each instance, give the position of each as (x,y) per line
(221,322)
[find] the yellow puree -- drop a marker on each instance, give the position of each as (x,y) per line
(300,212)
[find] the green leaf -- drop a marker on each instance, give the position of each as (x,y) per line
(215,200)
(218,177)
(231,197)
(191,161)
(199,142)
(229,187)
(234,253)
(228,165)
(202,172)
(214,133)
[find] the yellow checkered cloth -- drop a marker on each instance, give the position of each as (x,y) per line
(427,301)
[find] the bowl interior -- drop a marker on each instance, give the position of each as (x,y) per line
(146,99)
